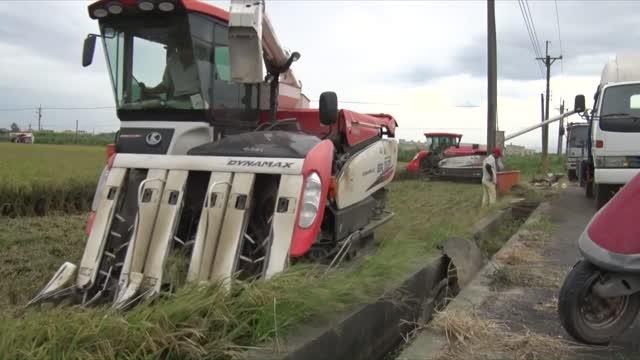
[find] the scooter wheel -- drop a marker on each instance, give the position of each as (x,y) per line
(589,318)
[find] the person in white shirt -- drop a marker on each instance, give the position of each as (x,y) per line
(180,76)
(490,176)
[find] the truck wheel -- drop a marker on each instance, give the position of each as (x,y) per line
(603,194)
(588,189)
(589,318)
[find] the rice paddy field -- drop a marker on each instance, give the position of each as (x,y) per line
(206,322)
(43,179)
(196,322)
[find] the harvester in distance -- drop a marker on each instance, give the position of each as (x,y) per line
(217,160)
(447,157)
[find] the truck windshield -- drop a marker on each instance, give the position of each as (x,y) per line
(173,64)
(620,108)
(578,136)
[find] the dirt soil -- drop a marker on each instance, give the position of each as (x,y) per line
(525,297)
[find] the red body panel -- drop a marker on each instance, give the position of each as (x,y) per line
(206,9)
(414,165)
(357,127)
(319,159)
(465,149)
(615,227)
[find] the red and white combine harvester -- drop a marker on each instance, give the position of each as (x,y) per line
(218,158)
(445,156)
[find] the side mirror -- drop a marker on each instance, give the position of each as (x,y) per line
(579,103)
(88,50)
(328,108)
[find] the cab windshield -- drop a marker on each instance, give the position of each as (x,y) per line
(578,136)
(620,108)
(172,63)
(440,143)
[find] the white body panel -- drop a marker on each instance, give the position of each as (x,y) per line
(283,225)
(614,176)
(164,231)
(233,227)
(209,163)
(186,135)
(623,68)
(209,227)
(366,172)
(143,229)
(87,270)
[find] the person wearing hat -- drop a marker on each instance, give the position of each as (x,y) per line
(490,176)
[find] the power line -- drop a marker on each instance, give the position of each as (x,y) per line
(559,36)
(533,26)
(534,48)
(57,108)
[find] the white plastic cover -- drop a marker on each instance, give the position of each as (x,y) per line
(625,67)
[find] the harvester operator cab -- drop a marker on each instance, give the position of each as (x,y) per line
(439,142)
(170,64)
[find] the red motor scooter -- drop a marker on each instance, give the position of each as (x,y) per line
(600,297)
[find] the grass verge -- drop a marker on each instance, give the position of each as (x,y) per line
(206,322)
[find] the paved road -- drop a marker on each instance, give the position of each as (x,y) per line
(532,309)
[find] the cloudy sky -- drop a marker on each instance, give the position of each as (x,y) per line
(417,60)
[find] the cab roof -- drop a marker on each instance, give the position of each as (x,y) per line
(442,134)
(131,7)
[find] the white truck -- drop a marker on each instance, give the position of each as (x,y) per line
(614,136)
(577,150)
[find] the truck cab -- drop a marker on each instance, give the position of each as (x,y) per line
(576,148)
(615,128)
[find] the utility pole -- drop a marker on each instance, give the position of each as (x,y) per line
(76,138)
(39,117)
(547,61)
(560,128)
(492,76)
(544,135)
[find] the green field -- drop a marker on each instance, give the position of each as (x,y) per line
(67,138)
(206,322)
(37,178)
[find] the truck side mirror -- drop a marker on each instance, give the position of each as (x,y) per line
(88,50)
(328,105)
(579,103)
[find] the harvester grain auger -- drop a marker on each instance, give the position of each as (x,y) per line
(216,163)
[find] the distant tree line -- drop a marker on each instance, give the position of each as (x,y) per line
(52,137)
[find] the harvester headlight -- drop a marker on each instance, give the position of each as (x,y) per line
(145,5)
(100,13)
(310,200)
(115,8)
(166,6)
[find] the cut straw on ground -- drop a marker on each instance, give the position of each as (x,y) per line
(469,335)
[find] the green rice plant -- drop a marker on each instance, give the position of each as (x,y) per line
(208,322)
(37,179)
(531,165)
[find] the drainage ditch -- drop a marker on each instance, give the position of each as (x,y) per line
(489,239)
(381,329)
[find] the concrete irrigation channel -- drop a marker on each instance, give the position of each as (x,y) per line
(381,329)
